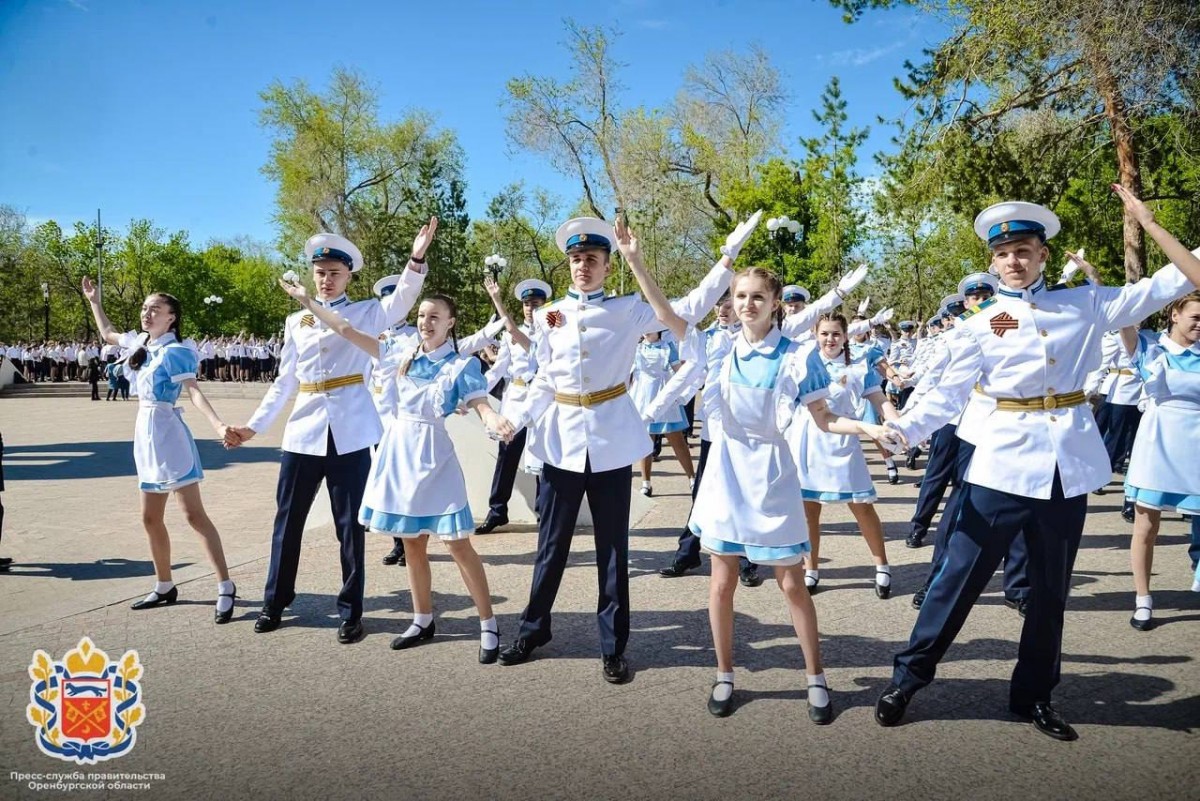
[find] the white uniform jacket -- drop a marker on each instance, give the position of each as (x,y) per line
(313,353)
(1034,343)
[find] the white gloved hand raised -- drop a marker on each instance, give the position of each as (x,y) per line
(882,317)
(852,279)
(737,238)
(1070,268)
(862,307)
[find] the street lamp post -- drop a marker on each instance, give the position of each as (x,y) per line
(495,263)
(46,309)
(784,231)
(99,243)
(210,302)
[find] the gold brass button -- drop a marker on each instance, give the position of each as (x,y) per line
(1050,361)
(1045,333)
(1053,418)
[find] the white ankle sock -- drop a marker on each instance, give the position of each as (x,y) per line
(883,575)
(488,638)
(419,620)
(811,577)
(890,463)
(224,590)
(818,691)
(722,691)
(163,587)
(1143,613)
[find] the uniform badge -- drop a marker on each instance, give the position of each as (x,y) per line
(308,321)
(1002,323)
(85,708)
(555,318)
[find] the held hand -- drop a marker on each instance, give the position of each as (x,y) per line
(238,435)
(1134,207)
(424,238)
(297,291)
(739,236)
(89,290)
(498,427)
(891,438)
(852,279)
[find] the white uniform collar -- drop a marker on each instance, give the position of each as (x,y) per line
(438,353)
(1174,348)
(165,339)
(1027,293)
(340,300)
(575,294)
(766,346)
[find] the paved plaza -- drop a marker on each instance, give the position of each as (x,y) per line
(231,714)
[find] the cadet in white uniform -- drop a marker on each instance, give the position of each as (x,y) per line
(1018,365)
(333,423)
(588,432)
(163,449)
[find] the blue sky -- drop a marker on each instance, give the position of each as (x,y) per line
(149,108)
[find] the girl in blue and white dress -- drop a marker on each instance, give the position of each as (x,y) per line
(653,365)
(416,487)
(748,502)
(163,449)
(832,467)
(1164,469)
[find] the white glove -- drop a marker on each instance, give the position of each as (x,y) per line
(1070,269)
(862,307)
(736,239)
(882,317)
(852,279)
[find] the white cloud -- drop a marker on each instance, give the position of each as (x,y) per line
(860,56)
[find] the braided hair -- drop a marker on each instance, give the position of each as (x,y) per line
(838,319)
(139,356)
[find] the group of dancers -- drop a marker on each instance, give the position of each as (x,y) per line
(785,398)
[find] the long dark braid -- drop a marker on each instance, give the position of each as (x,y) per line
(139,356)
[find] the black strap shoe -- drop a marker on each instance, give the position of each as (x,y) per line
(425,633)
(518,652)
(489,655)
(1046,719)
(893,475)
(154,599)
(679,567)
(721,709)
(616,671)
(820,715)
(890,708)
(224,617)
(1142,625)
(883,590)
(268,620)
(350,631)
(492,523)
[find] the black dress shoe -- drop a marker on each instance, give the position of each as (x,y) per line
(914,540)
(919,596)
(425,633)
(749,577)
(721,709)
(889,709)
(882,590)
(820,715)
(679,567)
(1046,719)
(395,556)
(911,461)
(5,561)
(1142,625)
(350,631)
(224,617)
(1127,513)
(518,652)
(615,669)
(492,523)
(268,620)
(154,599)
(488,655)
(1020,604)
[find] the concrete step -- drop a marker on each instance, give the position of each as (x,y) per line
(212,389)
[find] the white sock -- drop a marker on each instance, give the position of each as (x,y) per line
(224,590)
(488,638)
(883,575)
(722,691)
(1144,604)
(891,464)
(818,692)
(163,587)
(419,620)
(811,577)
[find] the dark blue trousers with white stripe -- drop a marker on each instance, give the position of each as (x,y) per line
(987,523)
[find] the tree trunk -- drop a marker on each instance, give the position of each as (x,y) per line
(1128,171)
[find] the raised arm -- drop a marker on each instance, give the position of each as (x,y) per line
(396,306)
(632,251)
(510,325)
(1186,261)
(337,323)
(107,332)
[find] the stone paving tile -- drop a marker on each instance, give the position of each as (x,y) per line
(294,715)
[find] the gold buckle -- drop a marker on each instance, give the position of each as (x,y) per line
(585,400)
(1049,402)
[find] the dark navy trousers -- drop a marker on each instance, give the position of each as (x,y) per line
(987,523)
(1118,425)
(689,543)
(1016,561)
(939,472)
(300,476)
(1193,548)
(560,496)
(508,461)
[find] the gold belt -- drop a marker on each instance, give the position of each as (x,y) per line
(1122,371)
(332,383)
(589,399)
(517,382)
(1050,402)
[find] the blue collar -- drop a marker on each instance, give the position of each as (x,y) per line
(1026,293)
(575,294)
(340,300)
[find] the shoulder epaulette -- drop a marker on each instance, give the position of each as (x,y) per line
(1077,280)
(978,307)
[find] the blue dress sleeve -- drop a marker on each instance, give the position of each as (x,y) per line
(672,353)
(181,363)
(1147,344)
(468,385)
(873,380)
(816,377)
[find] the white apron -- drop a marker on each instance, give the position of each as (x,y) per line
(163,449)
(833,464)
(750,492)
